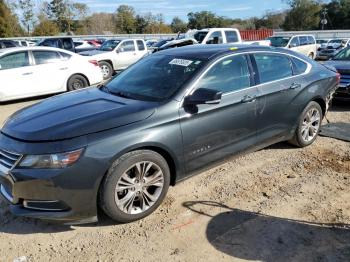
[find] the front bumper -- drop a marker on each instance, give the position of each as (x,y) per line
(66,195)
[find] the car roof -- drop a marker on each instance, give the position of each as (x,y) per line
(208,52)
(28,48)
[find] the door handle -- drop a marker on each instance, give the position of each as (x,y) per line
(248,99)
(295,86)
(64,68)
(27,74)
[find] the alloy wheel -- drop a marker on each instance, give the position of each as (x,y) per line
(311,125)
(139,187)
(105,71)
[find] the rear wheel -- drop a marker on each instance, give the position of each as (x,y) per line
(308,126)
(135,186)
(77,82)
(106,69)
(311,55)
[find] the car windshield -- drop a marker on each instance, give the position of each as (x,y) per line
(109,45)
(343,55)
(279,41)
(154,78)
(199,36)
(336,41)
(160,43)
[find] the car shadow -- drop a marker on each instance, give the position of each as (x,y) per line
(339,106)
(24,100)
(258,237)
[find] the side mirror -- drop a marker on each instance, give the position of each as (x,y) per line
(204,96)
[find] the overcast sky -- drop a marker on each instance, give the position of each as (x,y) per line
(171,8)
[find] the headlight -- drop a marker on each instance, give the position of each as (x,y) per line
(52,161)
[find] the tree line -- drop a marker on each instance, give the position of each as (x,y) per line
(28,18)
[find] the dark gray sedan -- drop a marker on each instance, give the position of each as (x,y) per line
(168,116)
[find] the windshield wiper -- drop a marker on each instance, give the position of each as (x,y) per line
(121,94)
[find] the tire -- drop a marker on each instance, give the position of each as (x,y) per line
(107,69)
(77,82)
(121,195)
(309,125)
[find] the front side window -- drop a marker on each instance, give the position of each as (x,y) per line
(46,57)
(215,38)
(294,42)
(279,41)
(231,36)
(228,75)
(311,40)
(140,45)
(65,56)
(15,60)
(127,46)
(155,78)
(273,67)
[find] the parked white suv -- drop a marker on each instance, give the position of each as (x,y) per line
(117,54)
(305,44)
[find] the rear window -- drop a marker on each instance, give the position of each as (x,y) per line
(140,45)
(231,36)
(273,67)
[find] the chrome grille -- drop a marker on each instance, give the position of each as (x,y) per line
(8,159)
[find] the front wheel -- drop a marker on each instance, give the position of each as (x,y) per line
(135,186)
(308,126)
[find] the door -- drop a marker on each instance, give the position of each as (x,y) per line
(215,38)
(126,54)
(277,90)
(16,76)
(211,132)
(50,71)
(294,44)
(141,49)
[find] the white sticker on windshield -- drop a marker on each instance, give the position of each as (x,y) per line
(180,62)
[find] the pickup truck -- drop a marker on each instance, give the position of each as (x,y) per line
(117,54)
(210,36)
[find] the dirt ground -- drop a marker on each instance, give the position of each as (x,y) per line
(278,204)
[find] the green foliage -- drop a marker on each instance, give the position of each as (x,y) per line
(303,15)
(178,25)
(46,28)
(9,26)
(125,20)
(338,14)
(27,10)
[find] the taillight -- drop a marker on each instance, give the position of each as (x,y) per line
(94,62)
(338,78)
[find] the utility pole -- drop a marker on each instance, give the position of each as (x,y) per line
(324,17)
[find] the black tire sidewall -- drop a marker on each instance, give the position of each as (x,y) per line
(73,78)
(298,137)
(107,192)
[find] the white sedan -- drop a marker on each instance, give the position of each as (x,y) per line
(34,71)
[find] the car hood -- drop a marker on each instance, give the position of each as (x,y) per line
(93,52)
(339,64)
(75,114)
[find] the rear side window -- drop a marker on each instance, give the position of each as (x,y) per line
(46,57)
(303,40)
(230,74)
(231,36)
(65,56)
(311,40)
(127,46)
(140,45)
(215,38)
(15,60)
(299,67)
(273,67)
